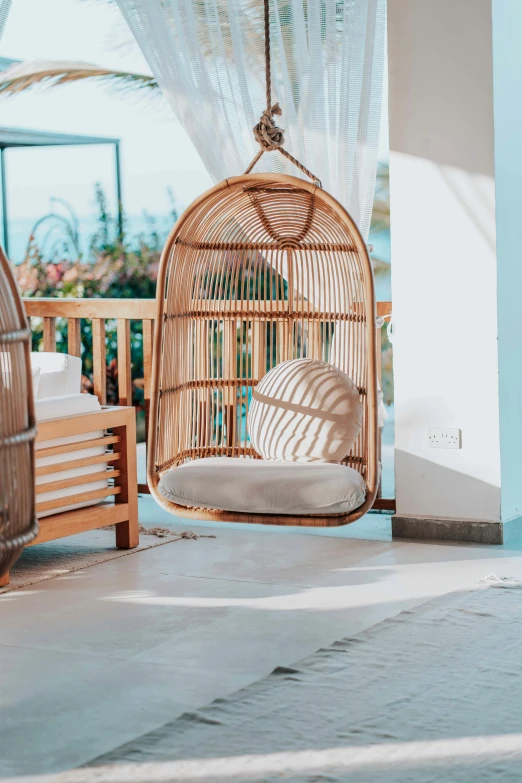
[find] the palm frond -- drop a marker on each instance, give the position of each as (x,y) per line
(24,76)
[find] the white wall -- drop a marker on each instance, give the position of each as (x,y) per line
(444,275)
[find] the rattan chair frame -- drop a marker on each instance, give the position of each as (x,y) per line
(259,269)
(18,525)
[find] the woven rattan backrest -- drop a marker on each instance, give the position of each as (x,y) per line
(261,269)
(18,524)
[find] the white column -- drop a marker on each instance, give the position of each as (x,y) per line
(455,81)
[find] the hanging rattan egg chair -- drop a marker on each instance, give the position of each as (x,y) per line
(261,269)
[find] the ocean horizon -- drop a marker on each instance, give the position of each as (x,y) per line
(141,227)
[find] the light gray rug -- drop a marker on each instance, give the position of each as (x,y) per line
(56,558)
(434,694)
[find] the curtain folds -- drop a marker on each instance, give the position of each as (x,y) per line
(5,5)
(327,66)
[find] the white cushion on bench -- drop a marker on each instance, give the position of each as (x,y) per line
(65,405)
(6,358)
(60,408)
(264,487)
(60,373)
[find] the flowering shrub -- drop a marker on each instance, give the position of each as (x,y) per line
(116,268)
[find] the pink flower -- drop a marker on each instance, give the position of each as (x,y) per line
(53,273)
(70,275)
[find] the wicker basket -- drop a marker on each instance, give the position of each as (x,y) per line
(260,269)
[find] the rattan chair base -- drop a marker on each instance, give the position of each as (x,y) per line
(280,520)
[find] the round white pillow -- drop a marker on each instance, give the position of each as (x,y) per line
(304,410)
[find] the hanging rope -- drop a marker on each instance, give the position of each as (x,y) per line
(267,134)
(166,532)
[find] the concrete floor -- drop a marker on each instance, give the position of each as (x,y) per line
(95,658)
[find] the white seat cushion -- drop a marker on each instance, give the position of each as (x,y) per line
(35,375)
(60,373)
(65,405)
(264,487)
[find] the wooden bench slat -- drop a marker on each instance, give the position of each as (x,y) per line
(94,494)
(58,467)
(88,478)
(65,448)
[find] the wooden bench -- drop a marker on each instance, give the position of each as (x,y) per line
(119,500)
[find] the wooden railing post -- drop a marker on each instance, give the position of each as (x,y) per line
(124,362)
(99,359)
(74,336)
(49,334)
(148,338)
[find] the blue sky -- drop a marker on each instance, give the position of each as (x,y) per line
(156,152)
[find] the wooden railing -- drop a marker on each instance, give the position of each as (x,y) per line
(99,311)
(123,311)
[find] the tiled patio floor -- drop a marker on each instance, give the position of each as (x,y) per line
(92,659)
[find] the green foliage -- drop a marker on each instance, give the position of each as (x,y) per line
(381,202)
(117,267)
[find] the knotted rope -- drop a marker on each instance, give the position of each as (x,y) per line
(267,134)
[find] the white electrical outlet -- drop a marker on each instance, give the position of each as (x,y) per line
(444,438)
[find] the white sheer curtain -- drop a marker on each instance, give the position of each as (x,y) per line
(327,64)
(5,5)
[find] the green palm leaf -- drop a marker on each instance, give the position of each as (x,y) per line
(24,76)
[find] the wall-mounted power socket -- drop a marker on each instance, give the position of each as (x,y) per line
(444,438)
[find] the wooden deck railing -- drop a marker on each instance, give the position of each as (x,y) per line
(123,311)
(98,311)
